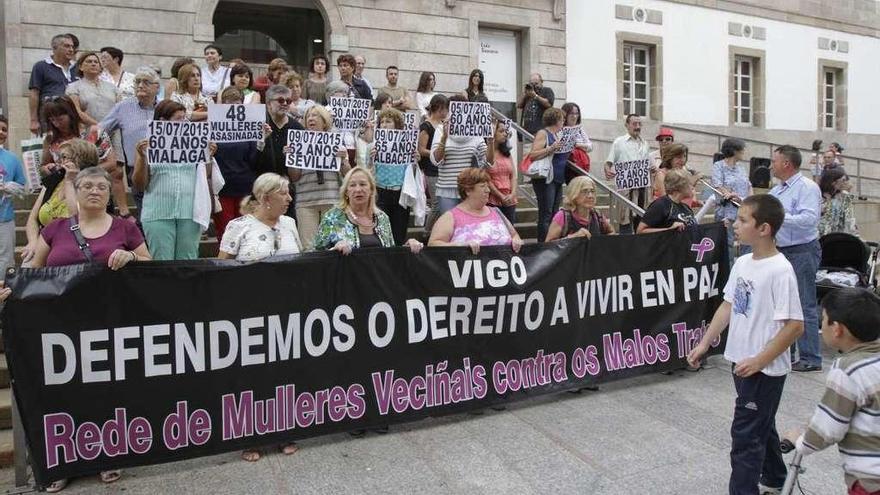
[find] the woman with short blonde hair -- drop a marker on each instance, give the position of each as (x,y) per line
(578,216)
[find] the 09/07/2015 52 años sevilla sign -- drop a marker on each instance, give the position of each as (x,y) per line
(172,360)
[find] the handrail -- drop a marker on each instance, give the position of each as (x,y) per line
(571,166)
(718,192)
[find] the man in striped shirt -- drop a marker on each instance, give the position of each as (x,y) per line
(849,413)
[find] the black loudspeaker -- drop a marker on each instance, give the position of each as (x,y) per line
(759,172)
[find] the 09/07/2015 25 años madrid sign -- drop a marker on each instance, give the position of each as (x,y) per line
(172,360)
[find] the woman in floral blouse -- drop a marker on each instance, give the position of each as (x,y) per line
(356,222)
(838,214)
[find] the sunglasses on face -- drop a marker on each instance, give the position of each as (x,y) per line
(665,140)
(283,101)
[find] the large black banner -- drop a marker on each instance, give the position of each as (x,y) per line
(171,360)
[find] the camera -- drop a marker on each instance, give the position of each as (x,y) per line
(529,87)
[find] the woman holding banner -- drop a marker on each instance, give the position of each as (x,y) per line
(170,196)
(189,93)
(317,192)
(473,222)
(548,191)
(578,216)
(355,222)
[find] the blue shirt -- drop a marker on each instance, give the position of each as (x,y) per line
(11,170)
(733,179)
(801,199)
(133,121)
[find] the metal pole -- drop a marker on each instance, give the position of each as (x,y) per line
(858,178)
(20,452)
(716,191)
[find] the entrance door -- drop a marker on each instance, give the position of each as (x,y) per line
(500,62)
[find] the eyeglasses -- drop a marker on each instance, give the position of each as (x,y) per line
(88,186)
(138,82)
(283,101)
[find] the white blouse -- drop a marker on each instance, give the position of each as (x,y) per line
(250,239)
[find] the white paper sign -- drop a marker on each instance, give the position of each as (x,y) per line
(633,174)
(470,119)
(178,142)
(395,147)
(568,138)
(236,123)
(313,150)
(350,114)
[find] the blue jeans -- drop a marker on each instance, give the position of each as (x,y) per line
(548,196)
(446,204)
(805,258)
(754,451)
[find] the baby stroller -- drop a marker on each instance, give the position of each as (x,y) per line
(847,261)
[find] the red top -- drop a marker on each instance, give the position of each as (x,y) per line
(501,173)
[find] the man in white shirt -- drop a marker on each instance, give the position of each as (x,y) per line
(215,77)
(359,63)
(628,147)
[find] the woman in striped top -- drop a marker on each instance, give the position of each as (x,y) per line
(454,154)
(169,196)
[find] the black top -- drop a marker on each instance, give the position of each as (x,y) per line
(238,164)
(425,164)
(597,226)
(369,240)
(533,111)
(663,212)
(271,159)
(359,89)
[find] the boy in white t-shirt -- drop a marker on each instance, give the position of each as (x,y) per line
(762,307)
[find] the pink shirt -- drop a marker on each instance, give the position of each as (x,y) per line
(500,172)
(64,250)
(488,230)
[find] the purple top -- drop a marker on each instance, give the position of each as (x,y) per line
(64,250)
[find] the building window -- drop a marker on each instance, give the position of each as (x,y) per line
(743,92)
(831,101)
(636,79)
(829,112)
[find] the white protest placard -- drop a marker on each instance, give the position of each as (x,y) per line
(236,123)
(633,174)
(395,147)
(350,114)
(568,138)
(470,119)
(313,150)
(178,142)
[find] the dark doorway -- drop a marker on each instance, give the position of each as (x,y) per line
(257,33)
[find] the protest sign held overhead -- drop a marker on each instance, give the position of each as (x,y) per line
(313,150)
(178,142)
(395,147)
(633,174)
(449,332)
(469,119)
(236,123)
(349,114)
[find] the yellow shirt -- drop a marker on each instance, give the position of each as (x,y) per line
(54,208)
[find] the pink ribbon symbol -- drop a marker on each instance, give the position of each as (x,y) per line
(702,248)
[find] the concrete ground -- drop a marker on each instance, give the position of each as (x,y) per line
(655,434)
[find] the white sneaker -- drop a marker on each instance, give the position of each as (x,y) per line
(766,490)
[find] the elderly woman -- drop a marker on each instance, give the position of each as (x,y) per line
(734,184)
(173,84)
(92,97)
(169,215)
(241,78)
(473,223)
(670,212)
(578,216)
(189,93)
(451,155)
(57,198)
(100,237)
(548,193)
(273,76)
(298,104)
(315,87)
(317,192)
(356,222)
(111,60)
(838,214)
(264,230)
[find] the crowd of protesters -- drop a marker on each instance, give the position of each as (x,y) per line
(95,117)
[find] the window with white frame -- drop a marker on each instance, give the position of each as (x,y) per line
(743,90)
(636,79)
(829,100)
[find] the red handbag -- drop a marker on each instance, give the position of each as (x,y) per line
(524,165)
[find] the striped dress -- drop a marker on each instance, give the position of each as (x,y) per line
(849,415)
(461,153)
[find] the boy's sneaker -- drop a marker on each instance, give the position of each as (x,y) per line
(803,367)
(767,490)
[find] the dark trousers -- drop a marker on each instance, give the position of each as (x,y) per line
(549,196)
(754,454)
(389,201)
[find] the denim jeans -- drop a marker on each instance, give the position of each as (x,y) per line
(805,258)
(548,196)
(446,204)
(754,451)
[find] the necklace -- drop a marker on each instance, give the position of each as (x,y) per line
(368,222)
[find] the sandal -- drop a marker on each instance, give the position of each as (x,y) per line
(57,486)
(251,455)
(288,448)
(111,475)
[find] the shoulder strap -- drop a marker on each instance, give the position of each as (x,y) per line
(80,240)
(566,222)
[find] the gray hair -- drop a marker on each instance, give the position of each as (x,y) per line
(56,40)
(90,172)
(334,87)
(731,146)
(146,72)
(276,91)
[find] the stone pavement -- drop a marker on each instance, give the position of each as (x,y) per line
(654,434)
